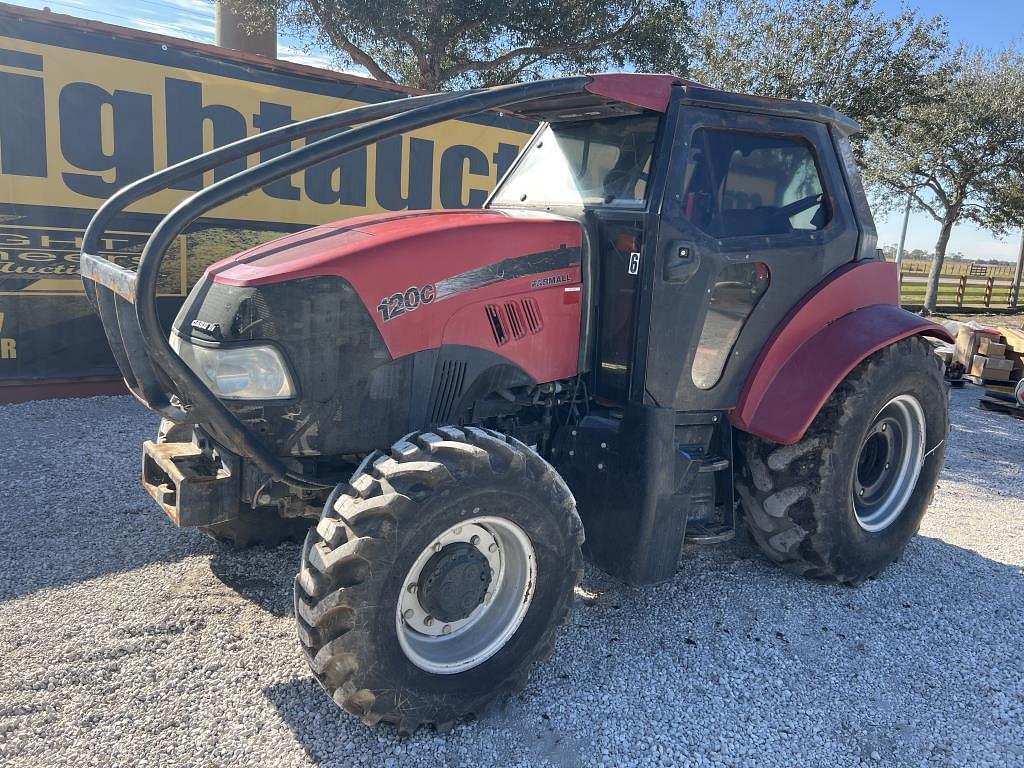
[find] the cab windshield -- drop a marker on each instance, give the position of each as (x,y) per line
(598,162)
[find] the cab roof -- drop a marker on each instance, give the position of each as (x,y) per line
(615,93)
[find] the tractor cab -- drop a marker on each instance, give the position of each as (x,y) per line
(726,209)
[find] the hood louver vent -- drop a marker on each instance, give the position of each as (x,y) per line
(513,319)
(532,312)
(497,324)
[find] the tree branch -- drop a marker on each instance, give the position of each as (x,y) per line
(342,41)
(542,51)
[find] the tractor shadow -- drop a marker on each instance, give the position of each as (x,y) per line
(71,505)
(729,627)
(72,508)
(261,575)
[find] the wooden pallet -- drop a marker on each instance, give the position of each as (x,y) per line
(996,385)
(1001,406)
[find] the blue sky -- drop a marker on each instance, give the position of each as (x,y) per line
(989,23)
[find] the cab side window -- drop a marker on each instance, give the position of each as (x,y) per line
(741,184)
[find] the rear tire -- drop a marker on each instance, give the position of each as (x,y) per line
(843,502)
(432,512)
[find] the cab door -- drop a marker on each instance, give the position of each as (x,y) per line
(754,213)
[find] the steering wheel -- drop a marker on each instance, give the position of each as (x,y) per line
(801,205)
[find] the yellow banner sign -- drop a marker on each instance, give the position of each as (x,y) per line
(90,108)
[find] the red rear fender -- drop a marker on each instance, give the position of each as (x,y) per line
(850,316)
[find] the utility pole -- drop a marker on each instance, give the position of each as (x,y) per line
(232,31)
(1015,288)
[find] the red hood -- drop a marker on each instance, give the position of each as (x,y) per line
(450,239)
(444,263)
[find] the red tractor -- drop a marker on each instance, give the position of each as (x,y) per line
(671,299)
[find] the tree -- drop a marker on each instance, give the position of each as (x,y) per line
(957,158)
(446,44)
(845,54)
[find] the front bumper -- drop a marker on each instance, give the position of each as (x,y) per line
(192,486)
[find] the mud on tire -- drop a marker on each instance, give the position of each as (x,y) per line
(799,499)
(355,563)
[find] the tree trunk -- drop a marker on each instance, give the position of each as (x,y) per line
(931,296)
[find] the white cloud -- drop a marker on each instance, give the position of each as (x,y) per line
(298,56)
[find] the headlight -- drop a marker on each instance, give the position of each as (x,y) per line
(238,373)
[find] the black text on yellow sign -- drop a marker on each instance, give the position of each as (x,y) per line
(8,347)
(87,125)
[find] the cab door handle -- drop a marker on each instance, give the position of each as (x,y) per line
(682,262)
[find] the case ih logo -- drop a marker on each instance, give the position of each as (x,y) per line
(210,329)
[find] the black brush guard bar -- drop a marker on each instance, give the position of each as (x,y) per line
(126,300)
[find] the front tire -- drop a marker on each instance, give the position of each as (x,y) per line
(843,502)
(437,577)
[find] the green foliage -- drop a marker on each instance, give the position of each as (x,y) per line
(960,156)
(845,54)
(1006,202)
(455,44)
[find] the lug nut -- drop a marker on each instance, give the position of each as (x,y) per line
(437,546)
(458,530)
(887,466)
(572,453)
(411,589)
(604,445)
(492,547)
(600,466)
(428,621)
(861,491)
(883,427)
(474,540)
(409,613)
(446,629)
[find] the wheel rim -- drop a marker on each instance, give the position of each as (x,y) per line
(889,463)
(466,595)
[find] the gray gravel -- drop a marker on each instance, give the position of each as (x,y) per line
(126,642)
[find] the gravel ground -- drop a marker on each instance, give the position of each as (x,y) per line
(126,642)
